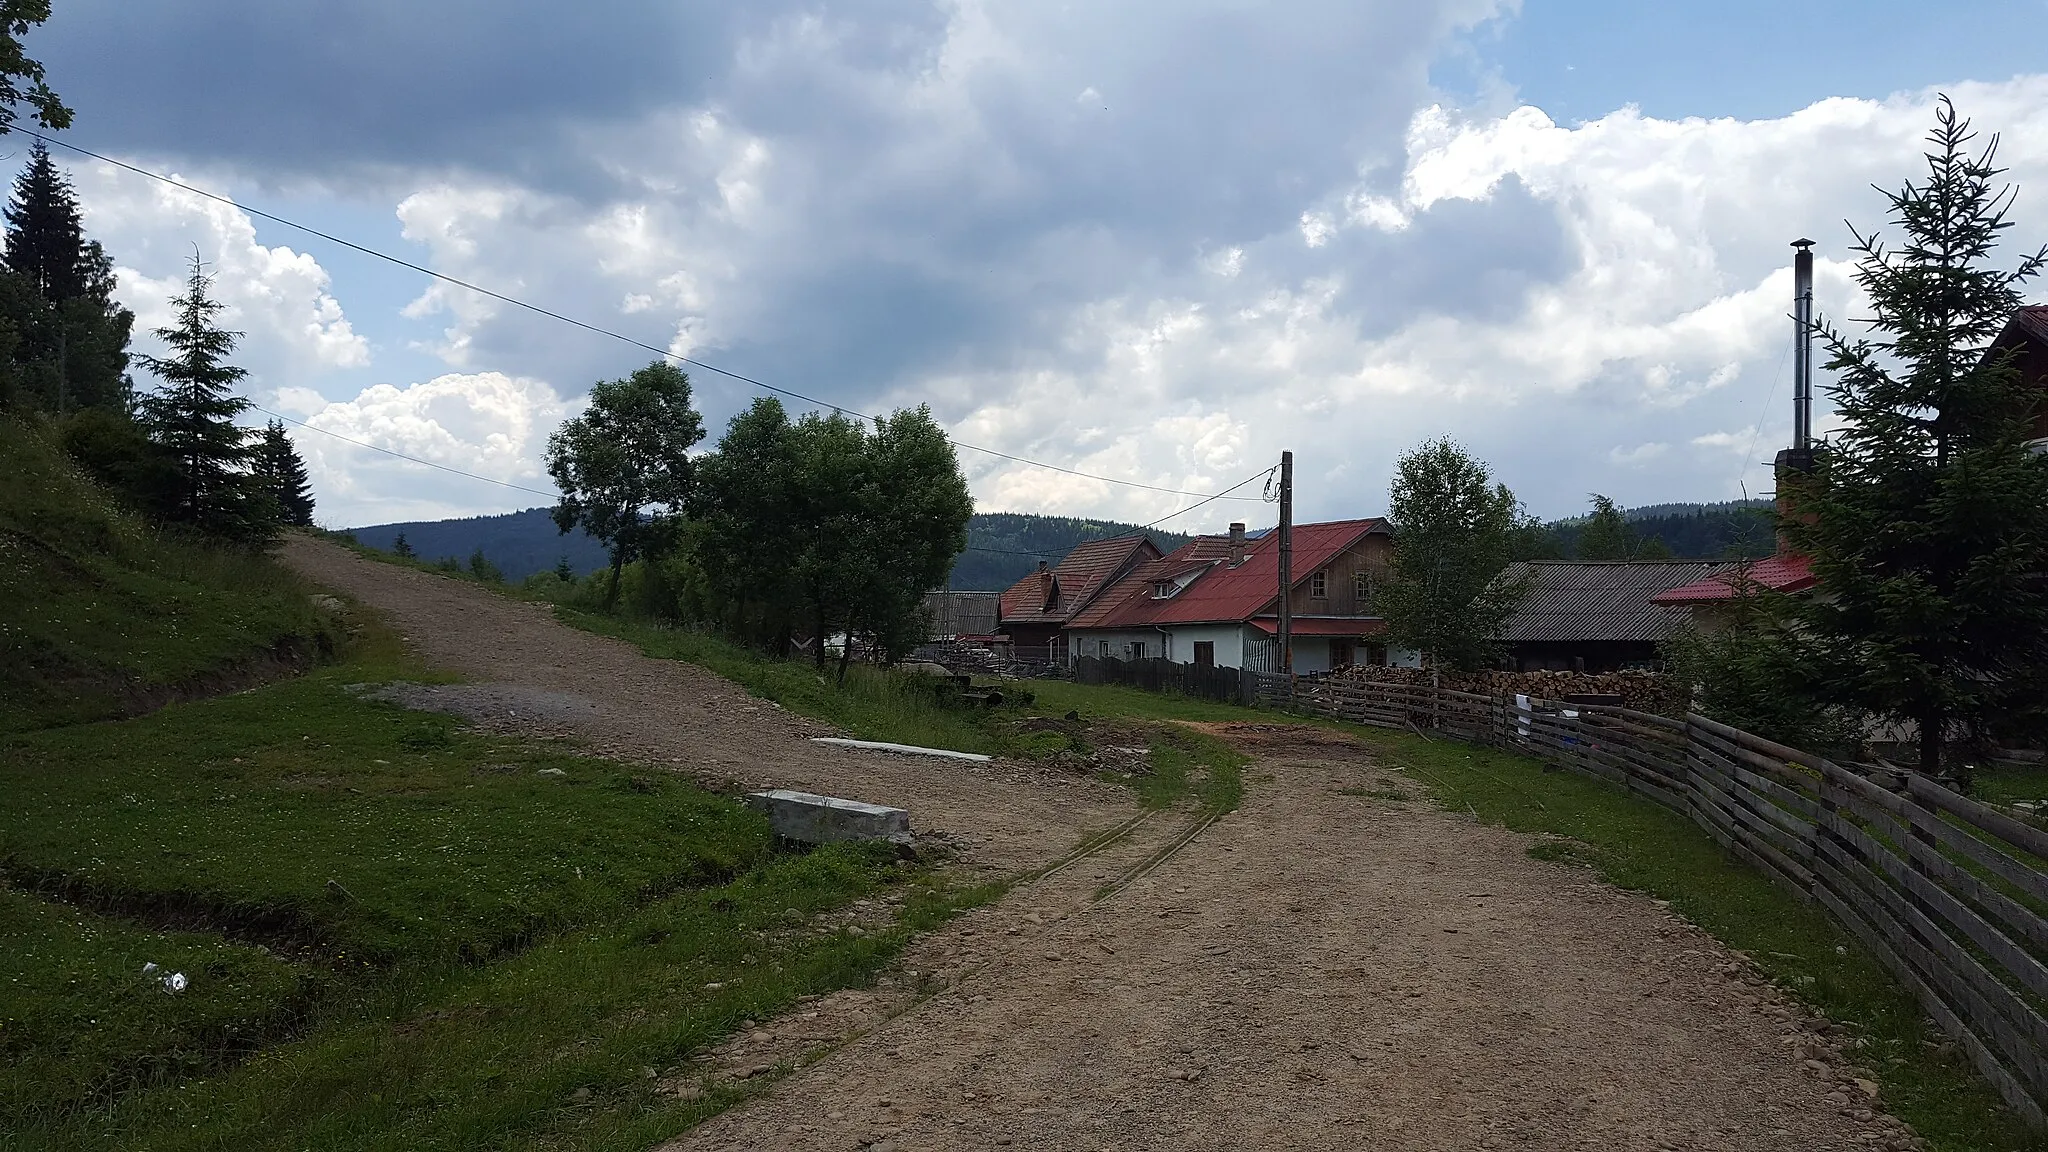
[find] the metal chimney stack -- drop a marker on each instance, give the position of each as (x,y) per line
(1802,346)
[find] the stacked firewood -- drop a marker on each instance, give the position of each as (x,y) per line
(1643,691)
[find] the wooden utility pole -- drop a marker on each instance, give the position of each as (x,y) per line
(1286,562)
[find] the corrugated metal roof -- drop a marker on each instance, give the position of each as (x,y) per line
(1571,601)
(1324,626)
(1776,573)
(1079,577)
(1223,593)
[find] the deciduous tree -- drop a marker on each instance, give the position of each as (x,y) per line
(624,465)
(1455,530)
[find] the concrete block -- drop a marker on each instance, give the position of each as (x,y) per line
(813,819)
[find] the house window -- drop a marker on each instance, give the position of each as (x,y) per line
(1102,649)
(1205,653)
(1340,653)
(1361,590)
(1319,585)
(1137,649)
(1162,590)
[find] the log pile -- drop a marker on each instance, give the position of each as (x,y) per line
(1643,691)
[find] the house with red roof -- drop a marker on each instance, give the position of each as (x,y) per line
(1032,612)
(1215,601)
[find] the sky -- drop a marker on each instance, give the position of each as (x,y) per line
(1159,241)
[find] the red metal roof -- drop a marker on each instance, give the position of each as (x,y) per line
(1079,577)
(1222,594)
(1322,626)
(1775,573)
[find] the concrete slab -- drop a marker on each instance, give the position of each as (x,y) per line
(813,819)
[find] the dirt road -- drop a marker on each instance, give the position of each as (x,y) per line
(1328,968)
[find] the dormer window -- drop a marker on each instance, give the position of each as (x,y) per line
(1173,586)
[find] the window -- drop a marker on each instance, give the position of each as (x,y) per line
(1361,590)
(1137,649)
(1205,653)
(1319,585)
(1340,654)
(1163,590)
(1102,649)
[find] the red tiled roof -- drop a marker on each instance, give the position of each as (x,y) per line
(1322,626)
(1222,594)
(1775,573)
(1079,577)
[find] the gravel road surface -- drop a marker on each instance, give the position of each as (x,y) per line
(1330,967)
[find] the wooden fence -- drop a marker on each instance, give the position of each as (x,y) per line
(1949,893)
(1229,685)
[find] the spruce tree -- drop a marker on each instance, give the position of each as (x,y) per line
(1926,515)
(73,335)
(193,418)
(283,474)
(402,547)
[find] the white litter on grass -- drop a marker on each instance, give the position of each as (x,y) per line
(171,981)
(901,749)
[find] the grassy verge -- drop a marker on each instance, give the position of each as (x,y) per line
(100,616)
(396,932)
(1638,845)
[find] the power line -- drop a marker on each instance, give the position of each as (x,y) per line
(403,456)
(570,320)
(1218,496)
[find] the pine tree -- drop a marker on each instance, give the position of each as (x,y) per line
(1926,516)
(193,418)
(402,547)
(284,476)
(73,335)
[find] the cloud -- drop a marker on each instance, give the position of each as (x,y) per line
(1160,242)
(278,298)
(486,423)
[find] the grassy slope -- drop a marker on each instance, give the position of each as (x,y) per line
(99,615)
(485,926)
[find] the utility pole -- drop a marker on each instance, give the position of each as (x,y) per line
(1286,562)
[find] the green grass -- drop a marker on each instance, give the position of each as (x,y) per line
(101,616)
(397,932)
(2006,784)
(1638,845)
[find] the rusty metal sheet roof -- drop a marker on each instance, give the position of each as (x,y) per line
(1052,596)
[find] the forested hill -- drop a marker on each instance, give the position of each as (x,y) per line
(522,543)
(1731,530)
(1006,545)
(988,564)
(519,543)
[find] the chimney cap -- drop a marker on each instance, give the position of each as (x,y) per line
(1802,243)
(1237,529)
(1043,564)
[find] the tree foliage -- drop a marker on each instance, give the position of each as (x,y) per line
(21,76)
(1926,515)
(283,475)
(826,525)
(192,418)
(66,336)
(1607,535)
(624,465)
(1455,530)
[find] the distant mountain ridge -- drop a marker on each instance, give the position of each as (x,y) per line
(1003,546)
